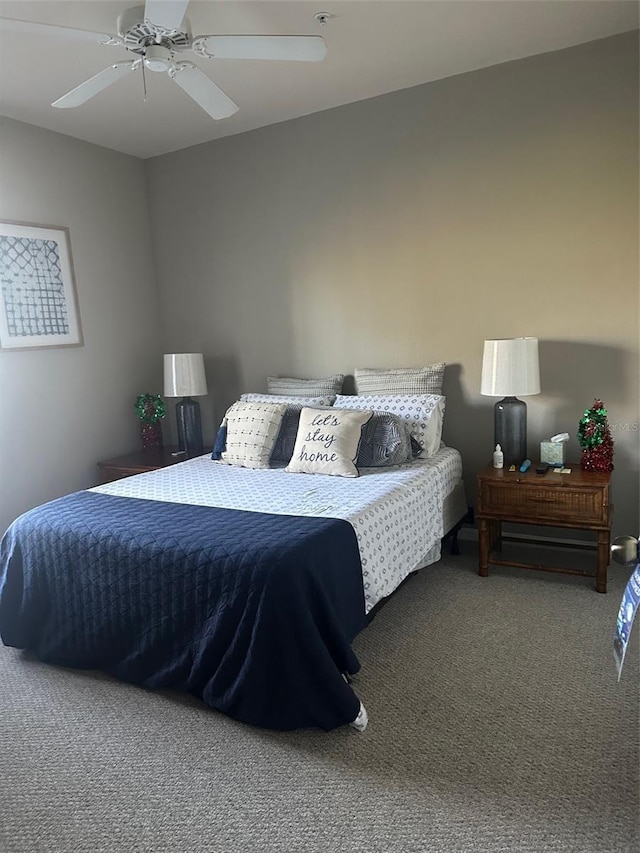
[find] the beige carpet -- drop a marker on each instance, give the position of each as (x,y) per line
(496,724)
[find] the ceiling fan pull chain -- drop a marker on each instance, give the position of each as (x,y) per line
(144,83)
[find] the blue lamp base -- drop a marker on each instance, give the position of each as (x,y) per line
(510,429)
(189,426)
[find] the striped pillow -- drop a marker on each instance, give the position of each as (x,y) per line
(305,387)
(252,429)
(291,399)
(400,380)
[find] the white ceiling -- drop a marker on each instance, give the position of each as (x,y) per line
(374,46)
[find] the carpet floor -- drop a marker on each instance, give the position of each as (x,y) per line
(496,724)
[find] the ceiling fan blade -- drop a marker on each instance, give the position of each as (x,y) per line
(203,90)
(96,84)
(15,26)
(285,48)
(167,14)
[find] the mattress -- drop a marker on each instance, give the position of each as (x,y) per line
(398,514)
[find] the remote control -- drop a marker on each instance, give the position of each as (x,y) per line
(525,466)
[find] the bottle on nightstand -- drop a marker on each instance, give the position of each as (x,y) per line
(498,457)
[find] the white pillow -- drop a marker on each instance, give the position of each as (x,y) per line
(327,442)
(423,412)
(252,429)
(285,442)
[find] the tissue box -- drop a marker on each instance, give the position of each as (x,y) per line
(552,452)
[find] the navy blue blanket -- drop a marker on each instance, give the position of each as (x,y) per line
(254,613)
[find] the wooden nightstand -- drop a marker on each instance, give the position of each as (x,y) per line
(579,500)
(146,459)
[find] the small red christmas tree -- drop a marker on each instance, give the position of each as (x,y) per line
(595,439)
(150,409)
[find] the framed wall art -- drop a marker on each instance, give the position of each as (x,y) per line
(38,299)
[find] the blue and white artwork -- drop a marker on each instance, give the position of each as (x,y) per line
(37,291)
(626,616)
(32,288)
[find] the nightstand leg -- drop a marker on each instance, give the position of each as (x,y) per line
(604,538)
(489,539)
(484,545)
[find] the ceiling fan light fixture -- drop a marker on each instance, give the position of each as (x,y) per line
(158,33)
(157,58)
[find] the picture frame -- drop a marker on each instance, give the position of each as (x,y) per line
(38,297)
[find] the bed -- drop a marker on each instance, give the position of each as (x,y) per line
(243,587)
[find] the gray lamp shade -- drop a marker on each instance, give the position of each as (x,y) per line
(510,366)
(184,377)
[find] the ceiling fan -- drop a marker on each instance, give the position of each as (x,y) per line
(157,33)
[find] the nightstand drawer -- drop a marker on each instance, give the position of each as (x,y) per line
(526,501)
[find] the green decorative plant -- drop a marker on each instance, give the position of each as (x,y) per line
(150,408)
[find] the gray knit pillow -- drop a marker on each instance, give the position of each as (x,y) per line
(305,387)
(385,441)
(400,380)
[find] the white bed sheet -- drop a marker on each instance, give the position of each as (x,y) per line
(396,512)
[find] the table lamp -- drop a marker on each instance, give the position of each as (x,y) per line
(510,367)
(184,377)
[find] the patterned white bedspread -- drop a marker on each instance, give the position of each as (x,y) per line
(395,512)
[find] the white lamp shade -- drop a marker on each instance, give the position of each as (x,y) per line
(510,368)
(184,375)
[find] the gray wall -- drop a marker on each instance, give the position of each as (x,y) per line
(64,409)
(408,228)
(395,231)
